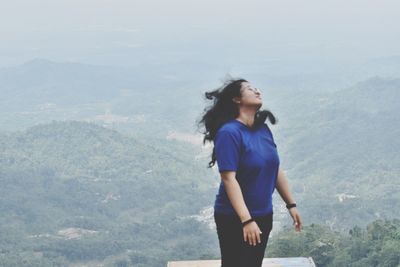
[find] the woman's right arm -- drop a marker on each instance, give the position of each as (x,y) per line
(235,194)
(251,231)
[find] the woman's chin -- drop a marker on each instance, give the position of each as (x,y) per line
(258,105)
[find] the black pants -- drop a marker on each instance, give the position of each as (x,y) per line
(235,252)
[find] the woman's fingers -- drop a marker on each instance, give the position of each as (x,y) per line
(299,223)
(251,234)
(296,218)
(258,236)
(255,238)
(299,220)
(258,233)
(249,237)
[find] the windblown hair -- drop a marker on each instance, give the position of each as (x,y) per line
(224,109)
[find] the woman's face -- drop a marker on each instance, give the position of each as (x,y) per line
(251,96)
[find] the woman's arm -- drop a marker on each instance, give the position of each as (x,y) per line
(283,188)
(235,194)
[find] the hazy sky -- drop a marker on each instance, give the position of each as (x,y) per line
(108,32)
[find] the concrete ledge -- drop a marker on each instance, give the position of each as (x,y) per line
(267,262)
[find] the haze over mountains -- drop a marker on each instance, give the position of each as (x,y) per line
(101,163)
(96,160)
(41,90)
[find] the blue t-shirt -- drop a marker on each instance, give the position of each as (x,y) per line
(252,153)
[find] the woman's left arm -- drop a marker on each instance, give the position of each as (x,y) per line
(283,188)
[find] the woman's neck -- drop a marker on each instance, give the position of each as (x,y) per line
(246,118)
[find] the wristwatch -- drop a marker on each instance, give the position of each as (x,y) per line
(290,205)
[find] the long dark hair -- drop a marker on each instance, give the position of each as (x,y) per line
(224,109)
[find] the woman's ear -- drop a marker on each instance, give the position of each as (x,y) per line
(236,100)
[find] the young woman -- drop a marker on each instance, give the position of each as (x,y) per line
(248,164)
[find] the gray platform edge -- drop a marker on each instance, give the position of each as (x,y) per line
(277,260)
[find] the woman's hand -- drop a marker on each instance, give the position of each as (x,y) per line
(296,218)
(251,233)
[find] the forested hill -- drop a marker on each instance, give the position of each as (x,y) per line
(342,153)
(74,191)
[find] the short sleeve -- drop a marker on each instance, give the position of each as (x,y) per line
(227,149)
